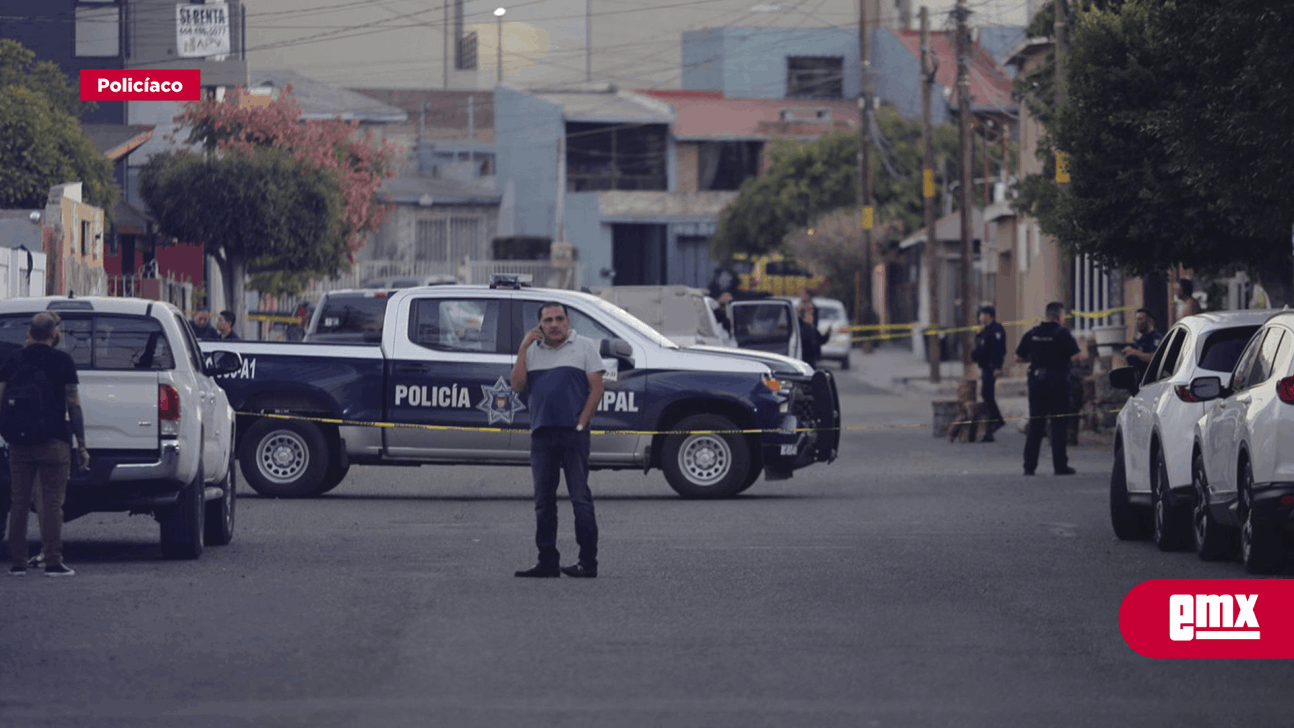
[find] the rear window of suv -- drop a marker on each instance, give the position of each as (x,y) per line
(357,314)
(99,341)
(1222,348)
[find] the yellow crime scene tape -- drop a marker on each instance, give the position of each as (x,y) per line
(753,431)
(905,330)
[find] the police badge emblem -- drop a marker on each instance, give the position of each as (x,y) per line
(500,403)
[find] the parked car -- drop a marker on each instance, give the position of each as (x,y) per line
(441,369)
(159,428)
(1242,457)
(772,273)
(1152,437)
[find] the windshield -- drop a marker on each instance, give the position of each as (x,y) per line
(352,315)
(632,321)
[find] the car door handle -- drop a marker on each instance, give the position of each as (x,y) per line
(411,369)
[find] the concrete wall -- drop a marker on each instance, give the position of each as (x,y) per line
(753,60)
(526,133)
(896,74)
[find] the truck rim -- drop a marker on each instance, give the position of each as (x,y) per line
(283,456)
(706,459)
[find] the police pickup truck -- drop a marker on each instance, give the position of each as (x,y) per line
(159,428)
(436,390)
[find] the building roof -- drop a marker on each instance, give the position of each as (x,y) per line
(115,141)
(708,115)
(415,189)
(320,100)
(604,103)
(445,109)
(990,83)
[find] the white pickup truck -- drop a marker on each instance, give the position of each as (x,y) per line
(159,429)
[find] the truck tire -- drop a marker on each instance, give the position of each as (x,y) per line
(182,523)
(332,478)
(220,514)
(284,458)
(1261,547)
(704,464)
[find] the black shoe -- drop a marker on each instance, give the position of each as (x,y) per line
(988,438)
(59,570)
(540,572)
(580,571)
(1028,472)
(1066,471)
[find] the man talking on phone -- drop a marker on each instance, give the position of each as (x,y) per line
(563,372)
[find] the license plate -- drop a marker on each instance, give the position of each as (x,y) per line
(788,450)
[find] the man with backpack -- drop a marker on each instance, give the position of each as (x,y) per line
(38,401)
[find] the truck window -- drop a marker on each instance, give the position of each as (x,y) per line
(352,315)
(100,341)
(448,324)
(581,323)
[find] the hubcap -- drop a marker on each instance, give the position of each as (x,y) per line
(284,457)
(706,459)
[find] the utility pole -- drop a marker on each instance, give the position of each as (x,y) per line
(445,36)
(865,167)
(932,257)
(1061,27)
(967,174)
(588,42)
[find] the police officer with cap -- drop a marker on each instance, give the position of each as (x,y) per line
(1048,347)
(990,355)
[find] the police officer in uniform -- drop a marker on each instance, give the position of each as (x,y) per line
(990,355)
(1049,348)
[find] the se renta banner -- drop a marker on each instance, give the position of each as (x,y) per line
(141,85)
(1210,618)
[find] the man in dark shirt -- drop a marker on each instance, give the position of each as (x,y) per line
(563,372)
(990,355)
(225,326)
(50,456)
(1049,348)
(202,327)
(1143,347)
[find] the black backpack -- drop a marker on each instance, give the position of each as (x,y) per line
(22,408)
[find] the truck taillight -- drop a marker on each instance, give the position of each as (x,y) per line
(1285,390)
(168,410)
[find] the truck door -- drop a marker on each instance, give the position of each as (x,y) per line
(623,406)
(449,368)
(766,325)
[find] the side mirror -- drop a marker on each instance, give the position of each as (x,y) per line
(1206,388)
(1124,378)
(617,349)
(219,363)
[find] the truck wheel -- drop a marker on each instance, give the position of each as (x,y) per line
(332,478)
(750,479)
(1123,517)
(182,522)
(705,464)
(284,459)
(220,514)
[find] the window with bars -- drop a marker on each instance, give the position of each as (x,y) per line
(1096,289)
(809,77)
(448,239)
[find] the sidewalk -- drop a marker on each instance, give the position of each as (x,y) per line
(897,369)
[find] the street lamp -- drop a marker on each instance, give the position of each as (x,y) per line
(498,14)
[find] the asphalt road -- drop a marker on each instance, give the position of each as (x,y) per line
(911,583)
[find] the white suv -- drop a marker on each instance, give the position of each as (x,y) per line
(1242,461)
(1152,439)
(160,430)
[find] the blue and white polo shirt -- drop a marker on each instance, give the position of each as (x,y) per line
(558,380)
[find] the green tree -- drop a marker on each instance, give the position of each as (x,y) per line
(250,210)
(41,140)
(1178,138)
(806,180)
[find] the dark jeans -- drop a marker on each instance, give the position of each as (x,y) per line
(553,450)
(1048,402)
(52,461)
(988,390)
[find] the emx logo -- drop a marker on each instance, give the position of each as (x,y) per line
(1209,618)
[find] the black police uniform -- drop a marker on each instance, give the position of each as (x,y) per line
(1147,342)
(990,355)
(1048,347)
